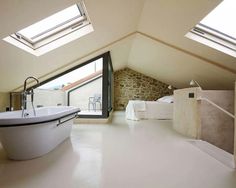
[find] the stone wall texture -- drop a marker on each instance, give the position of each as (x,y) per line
(132,85)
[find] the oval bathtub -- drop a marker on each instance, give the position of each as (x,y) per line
(33,136)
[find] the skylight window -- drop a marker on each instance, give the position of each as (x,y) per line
(53,31)
(218,29)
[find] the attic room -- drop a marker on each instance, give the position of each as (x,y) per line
(108,93)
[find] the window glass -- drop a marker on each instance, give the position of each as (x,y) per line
(88,86)
(47,24)
(222,18)
(81,87)
(53,31)
(217,30)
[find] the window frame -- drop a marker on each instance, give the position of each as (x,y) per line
(106,106)
(211,31)
(215,36)
(66,34)
(75,24)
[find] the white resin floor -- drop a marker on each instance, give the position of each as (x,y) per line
(124,154)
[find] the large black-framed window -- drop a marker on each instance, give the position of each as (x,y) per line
(110,84)
(107,85)
(103,74)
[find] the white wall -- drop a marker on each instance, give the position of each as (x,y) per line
(80,97)
(48,97)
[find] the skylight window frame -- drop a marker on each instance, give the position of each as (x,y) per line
(52,37)
(214,36)
(216,29)
(52,31)
(74,29)
(56,32)
(214,41)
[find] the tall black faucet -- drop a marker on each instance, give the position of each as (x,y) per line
(28,92)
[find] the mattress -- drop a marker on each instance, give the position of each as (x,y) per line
(137,110)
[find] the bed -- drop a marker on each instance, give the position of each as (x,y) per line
(160,109)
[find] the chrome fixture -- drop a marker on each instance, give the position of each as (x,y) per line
(24,96)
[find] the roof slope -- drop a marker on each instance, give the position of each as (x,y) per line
(146,35)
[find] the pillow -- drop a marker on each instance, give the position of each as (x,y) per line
(166,99)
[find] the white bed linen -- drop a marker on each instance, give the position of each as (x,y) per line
(135,110)
(133,107)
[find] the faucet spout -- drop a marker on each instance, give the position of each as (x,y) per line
(30,77)
(25,93)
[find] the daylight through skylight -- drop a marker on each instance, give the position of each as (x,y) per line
(57,20)
(222,18)
(218,28)
(53,31)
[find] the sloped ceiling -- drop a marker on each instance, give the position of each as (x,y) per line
(145,35)
(175,67)
(173,58)
(111,20)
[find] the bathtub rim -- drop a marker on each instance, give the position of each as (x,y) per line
(38,120)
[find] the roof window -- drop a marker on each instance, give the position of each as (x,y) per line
(217,29)
(53,31)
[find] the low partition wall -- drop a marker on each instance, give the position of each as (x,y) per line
(199,119)
(186,113)
(217,127)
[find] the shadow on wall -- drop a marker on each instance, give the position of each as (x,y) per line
(132,85)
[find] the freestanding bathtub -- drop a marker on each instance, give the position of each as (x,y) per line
(33,136)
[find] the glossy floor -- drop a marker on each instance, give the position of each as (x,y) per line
(124,154)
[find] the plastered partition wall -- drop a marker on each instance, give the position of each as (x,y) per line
(217,127)
(186,114)
(4,101)
(132,85)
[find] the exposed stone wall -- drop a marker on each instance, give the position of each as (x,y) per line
(131,85)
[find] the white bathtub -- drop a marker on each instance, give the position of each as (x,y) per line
(34,136)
